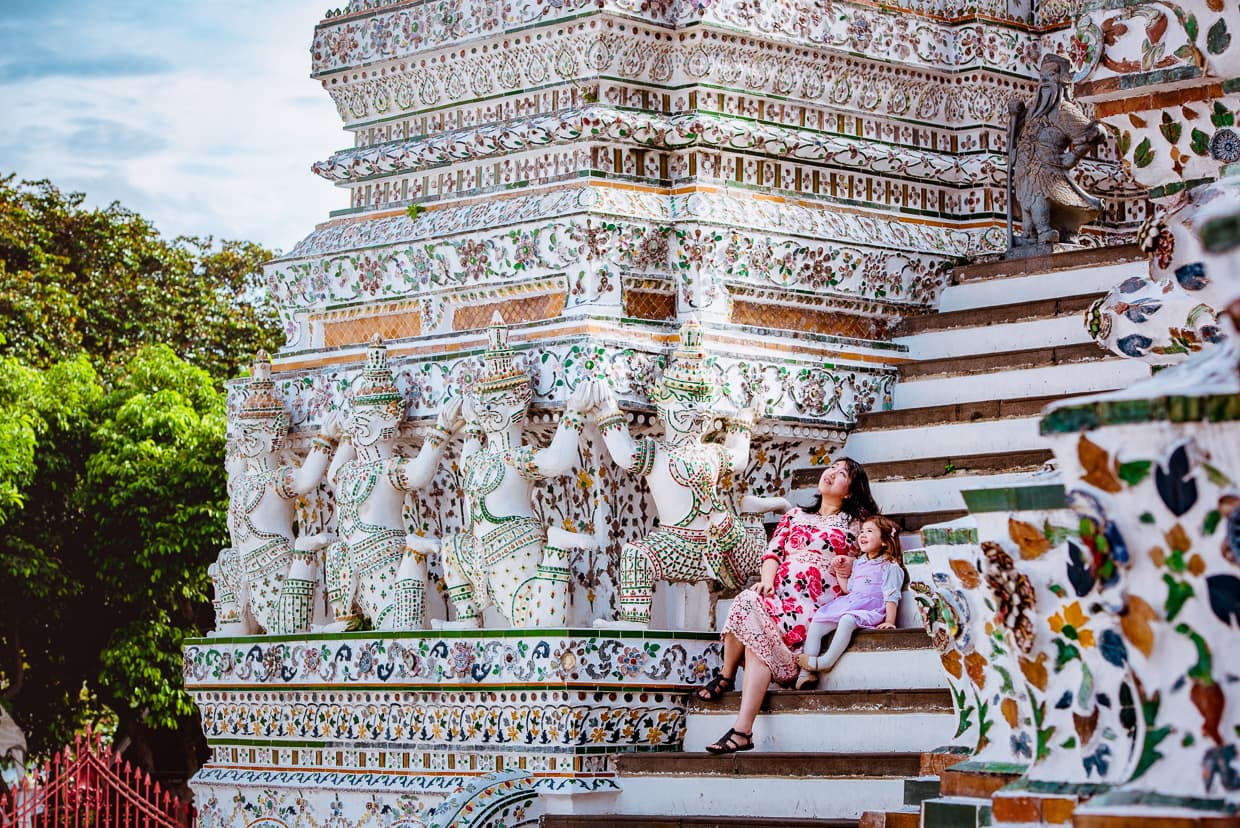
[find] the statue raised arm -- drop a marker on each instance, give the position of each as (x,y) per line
(700,537)
(375,566)
(277,579)
(505,555)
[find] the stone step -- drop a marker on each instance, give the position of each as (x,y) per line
(900,659)
(650,821)
(1063,379)
(854,720)
(957,412)
(939,494)
(915,521)
(894,445)
(780,701)
(1050,308)
(748,787)
(886,765)
(1088,259)
(925,467)
(970,341)
(979,295)
(1003,361)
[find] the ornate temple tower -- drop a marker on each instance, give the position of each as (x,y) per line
(794,175)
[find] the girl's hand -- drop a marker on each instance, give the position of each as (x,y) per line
(765,588)
(886,625)
(840,566)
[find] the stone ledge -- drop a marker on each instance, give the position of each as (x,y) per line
(970,412)
(1004,361)
(926,467)
(1089,257)
(638,821)
(751,763)
(994,315)
(836,701)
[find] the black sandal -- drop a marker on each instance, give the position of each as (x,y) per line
(714,691)
(728,744)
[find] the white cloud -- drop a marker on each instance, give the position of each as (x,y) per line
(202,118)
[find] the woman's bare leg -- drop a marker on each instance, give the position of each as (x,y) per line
(753,691)
(733,649)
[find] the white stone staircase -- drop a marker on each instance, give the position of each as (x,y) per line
(826,756)
(1008,339)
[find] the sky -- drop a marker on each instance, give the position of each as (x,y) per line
(201,116)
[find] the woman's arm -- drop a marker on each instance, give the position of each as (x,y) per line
(766,582)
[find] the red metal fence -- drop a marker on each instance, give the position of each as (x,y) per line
(87,785)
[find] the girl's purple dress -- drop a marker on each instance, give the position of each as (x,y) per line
(873,583)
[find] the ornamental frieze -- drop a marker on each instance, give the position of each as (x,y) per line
(667,132)
(791,219)
(876,33)
(580,56)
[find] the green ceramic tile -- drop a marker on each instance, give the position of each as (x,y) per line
(944,813)
(917,791)
(1015,498)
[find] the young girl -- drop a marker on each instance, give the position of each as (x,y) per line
(872,593)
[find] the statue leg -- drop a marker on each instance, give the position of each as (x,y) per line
(228,581)
(515,585)
(1042,222)
(458,553)
(637,575)
(265,570)
(296,603)
(542,600)
(341,584)
(411,584)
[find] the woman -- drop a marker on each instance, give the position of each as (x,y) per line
(767,623)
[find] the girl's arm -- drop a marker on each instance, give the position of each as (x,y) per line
(893,582)
(842,582)
(890,623)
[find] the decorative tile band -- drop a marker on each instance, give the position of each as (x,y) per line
(1071,418)
(945,537)
(422,660)
(534,719)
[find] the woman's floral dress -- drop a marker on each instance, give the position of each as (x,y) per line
(774,626)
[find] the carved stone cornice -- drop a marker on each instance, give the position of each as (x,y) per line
(665,132)
(585,51)
(874,32)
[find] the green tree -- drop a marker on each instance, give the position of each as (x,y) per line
(112,485)
(104,281)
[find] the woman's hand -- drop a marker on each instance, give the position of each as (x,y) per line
(840,566)
(765,588)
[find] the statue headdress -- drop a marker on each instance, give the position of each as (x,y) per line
(261,400)
(377,388)
(500,376)
(262,404)
(687,377)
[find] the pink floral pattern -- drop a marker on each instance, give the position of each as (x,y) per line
(774,626)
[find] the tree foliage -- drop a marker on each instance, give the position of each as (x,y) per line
(112,484)
(104,281)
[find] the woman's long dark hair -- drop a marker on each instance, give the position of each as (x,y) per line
(859,503)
